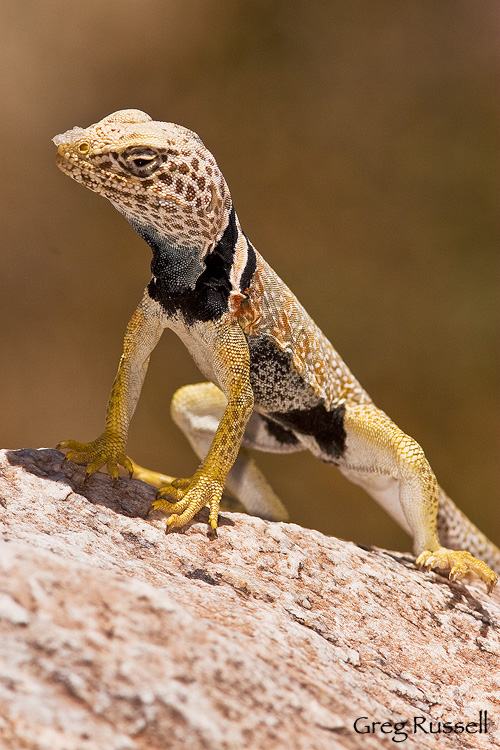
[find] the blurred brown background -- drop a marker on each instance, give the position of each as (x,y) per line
(360,142)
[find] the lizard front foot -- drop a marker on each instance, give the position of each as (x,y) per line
(459,563)
(185,497)
(106,449)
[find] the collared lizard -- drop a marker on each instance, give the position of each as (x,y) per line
(275,382)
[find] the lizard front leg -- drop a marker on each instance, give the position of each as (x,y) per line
(378,448)
(197,410)
(143,333)
(231,361)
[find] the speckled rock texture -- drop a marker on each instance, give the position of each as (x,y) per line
(114,636)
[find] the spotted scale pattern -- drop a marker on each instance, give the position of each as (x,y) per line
(272,310)
(185,199)
(209,280)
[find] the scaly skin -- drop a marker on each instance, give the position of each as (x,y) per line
(276,383)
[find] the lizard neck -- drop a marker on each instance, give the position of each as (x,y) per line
(192,282)
(197,284)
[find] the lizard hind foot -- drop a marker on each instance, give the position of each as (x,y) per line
(459,563)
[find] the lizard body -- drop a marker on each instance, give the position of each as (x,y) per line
(275,382)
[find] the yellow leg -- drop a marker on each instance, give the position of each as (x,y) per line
(380,449)
(232,364)
(154,478)
(143,333)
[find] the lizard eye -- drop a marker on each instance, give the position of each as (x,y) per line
(140,161)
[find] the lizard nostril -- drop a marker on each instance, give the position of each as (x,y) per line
(83,147)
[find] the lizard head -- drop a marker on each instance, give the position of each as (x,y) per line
(158,175)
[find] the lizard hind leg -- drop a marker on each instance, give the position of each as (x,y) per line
(392,466)
(197,410)
(154,478)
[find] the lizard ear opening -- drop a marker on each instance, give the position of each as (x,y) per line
(212,198)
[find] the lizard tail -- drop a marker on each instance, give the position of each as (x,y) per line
(457,532)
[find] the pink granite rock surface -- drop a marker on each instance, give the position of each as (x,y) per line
(115,636)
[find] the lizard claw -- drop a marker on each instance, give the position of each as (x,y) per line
(183,498)
(107,450)
(459,563)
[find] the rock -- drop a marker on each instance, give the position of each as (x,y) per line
(116,636)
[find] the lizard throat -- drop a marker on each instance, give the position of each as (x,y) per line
(177,267)
(198,286)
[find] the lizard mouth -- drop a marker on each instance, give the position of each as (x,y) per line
(101,180)
(65,164)
(93,176)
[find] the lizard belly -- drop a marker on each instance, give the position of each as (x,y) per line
(283,395)
(198,339)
